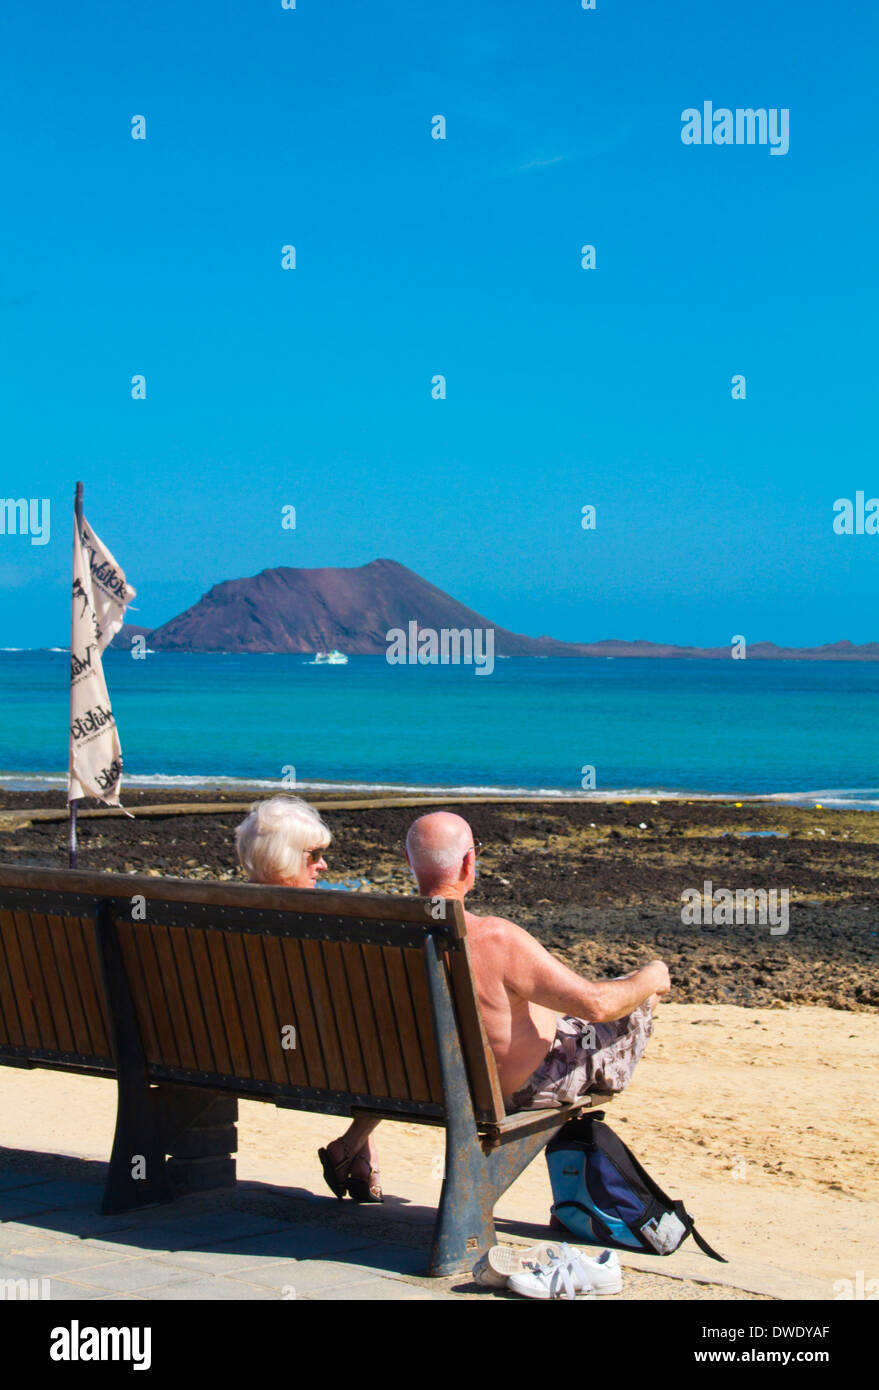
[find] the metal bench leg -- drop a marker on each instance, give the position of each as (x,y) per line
(473,1183)
(137,1176)
(473,1180)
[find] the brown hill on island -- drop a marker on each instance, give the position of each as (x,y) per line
(352,610)
(299,610)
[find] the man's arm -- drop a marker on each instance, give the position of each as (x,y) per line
(530,971)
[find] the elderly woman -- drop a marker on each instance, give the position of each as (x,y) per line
(281,843)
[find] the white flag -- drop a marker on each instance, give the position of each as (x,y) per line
(100,595)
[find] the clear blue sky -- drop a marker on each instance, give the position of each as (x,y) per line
(415,257)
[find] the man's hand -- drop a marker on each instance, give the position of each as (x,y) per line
(661,980)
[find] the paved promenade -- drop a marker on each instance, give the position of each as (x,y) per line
(255,1241)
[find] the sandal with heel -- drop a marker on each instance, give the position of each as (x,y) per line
(337,1182)
(365,1189)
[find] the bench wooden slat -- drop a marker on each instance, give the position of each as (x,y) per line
(247,1010)
(286,1012)
(178,1010)
(35,982)
(168,1052)
(345,1020)
(43,942)
(81,940)
(302,1012)
(421,1004)
(70,984)
(269,1023)
(192,993)
(89,941)
(312,956)
(13,1031)
(386,1022)
(364,1018)
(407,1028)
(213,1014)
(137,985)
(228,1000)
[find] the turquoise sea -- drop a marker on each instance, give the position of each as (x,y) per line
(798,731)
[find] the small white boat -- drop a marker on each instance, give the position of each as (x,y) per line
(330,659)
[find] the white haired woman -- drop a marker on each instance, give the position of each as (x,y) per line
(281,843)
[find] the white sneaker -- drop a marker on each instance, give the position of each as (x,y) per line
(571,1274)
(493,1269)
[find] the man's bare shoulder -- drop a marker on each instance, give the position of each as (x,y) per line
(498,930)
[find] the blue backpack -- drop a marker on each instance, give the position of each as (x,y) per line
(602,1195)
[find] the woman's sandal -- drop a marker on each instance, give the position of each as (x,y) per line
(365,1189)
(336,1182)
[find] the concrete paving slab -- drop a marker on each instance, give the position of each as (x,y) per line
(61,1194)
(390,1258)
(17,1237)
(15,1207)
(9,1182)
(137,1243)
(228,1290)
(79,1221)
(58,1259)
(127,1276)
(379,1291)
(307,1275)
(293,1244)
(67,1289)
(232,1225)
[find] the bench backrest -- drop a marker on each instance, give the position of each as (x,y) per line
(52,1006)
(225,977)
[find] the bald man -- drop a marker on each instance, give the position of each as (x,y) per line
(555,1035)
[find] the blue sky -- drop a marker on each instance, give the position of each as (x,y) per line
(415,257)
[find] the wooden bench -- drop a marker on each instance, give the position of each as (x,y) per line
(194,994)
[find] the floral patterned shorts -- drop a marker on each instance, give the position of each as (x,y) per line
(586,1057)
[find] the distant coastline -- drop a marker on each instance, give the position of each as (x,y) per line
(610,650)
(832,799)
(353,611)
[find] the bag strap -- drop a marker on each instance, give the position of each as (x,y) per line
(705,1247)
(684,1216)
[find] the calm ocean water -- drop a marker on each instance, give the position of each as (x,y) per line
(793,730)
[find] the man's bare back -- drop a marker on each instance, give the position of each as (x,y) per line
(520,1032)
(522,989)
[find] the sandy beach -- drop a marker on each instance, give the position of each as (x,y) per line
(765,1122)
(756,1101)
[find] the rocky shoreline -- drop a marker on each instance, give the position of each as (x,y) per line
(599,884)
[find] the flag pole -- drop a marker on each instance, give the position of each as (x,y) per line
(71,837)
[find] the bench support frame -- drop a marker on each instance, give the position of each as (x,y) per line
(474,1180)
